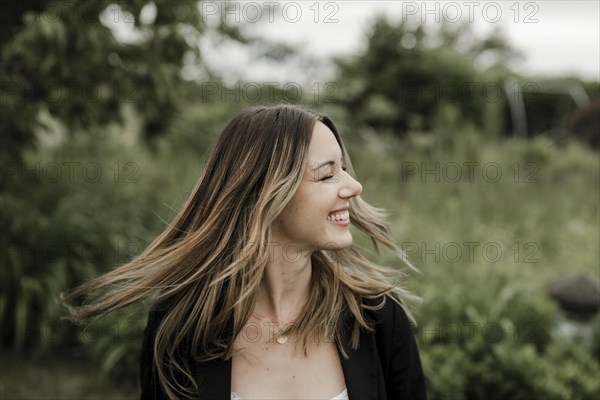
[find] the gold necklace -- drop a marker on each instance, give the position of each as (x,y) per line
(278,333)
(280,337)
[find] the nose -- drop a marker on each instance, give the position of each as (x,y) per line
(350,187)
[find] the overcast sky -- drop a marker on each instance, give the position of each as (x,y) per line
(555,37)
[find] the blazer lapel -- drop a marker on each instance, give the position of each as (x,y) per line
(214,379)
(361,369)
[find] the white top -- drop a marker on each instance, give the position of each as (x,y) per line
(341,396)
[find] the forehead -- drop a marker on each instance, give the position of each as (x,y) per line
(323,145)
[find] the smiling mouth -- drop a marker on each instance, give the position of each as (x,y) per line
(339,216)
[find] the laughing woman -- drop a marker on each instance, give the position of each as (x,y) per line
(257,291)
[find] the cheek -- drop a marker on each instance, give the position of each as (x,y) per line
(310,204)
(291,214)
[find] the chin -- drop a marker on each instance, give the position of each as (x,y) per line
(337,244)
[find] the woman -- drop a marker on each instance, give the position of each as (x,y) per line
(258,290)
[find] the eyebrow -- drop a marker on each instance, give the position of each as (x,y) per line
(321,165)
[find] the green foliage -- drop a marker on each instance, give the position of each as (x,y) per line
(114,342)
(67,61)
(408,76)
(486,323)
(59,376)
(67,225)
(77,225)
(400,82)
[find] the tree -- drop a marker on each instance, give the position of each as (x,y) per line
(63,64)
(67,61)
(406,75)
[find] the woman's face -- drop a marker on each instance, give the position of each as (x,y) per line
(317,217)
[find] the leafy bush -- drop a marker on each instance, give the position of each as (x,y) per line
(66,227)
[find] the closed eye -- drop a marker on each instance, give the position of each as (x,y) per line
(332,170)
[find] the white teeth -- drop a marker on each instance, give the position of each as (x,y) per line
(341,216)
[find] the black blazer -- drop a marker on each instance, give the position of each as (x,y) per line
(386,365)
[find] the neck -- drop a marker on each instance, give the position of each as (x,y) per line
(285,286)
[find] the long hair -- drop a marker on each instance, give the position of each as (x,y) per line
(206,266)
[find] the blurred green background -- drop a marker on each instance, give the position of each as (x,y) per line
(490,178)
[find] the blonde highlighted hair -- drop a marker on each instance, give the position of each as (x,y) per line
(206,266)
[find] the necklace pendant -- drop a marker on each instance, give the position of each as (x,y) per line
(282,339)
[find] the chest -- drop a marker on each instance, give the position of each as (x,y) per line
(264,368)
